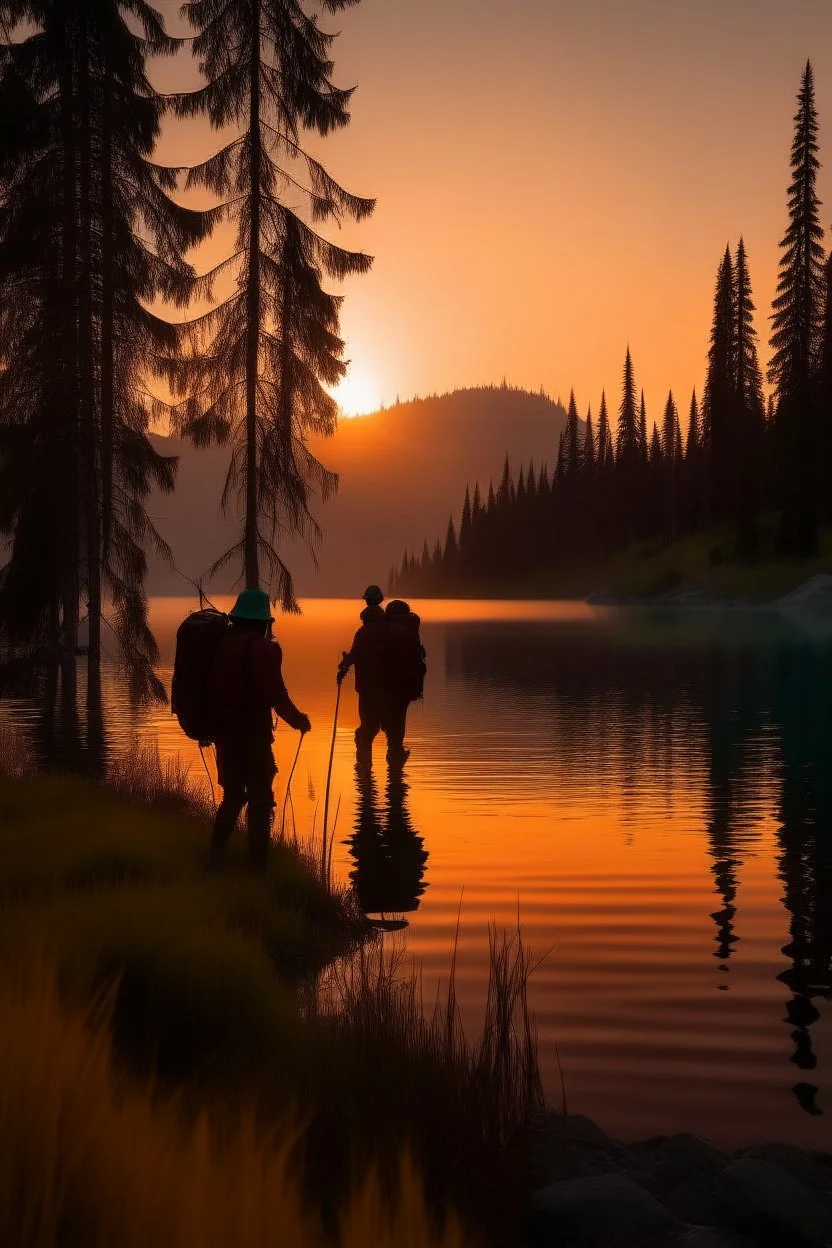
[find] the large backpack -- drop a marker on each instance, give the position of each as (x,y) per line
(407,656)
(197,639)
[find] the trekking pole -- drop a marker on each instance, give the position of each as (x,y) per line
(289,786)
(328,781)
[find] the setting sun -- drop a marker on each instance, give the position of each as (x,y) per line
(358,393)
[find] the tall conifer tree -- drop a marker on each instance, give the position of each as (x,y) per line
(106,241)
(671,456)
(719,409)
(588,455)
(572,442)
(824,393)
(604,456)
(750,415)
(796,334)
(265,355)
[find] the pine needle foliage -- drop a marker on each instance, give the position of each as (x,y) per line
(90,239)
(261,360)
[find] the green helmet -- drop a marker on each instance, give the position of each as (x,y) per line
(252,604)
(373,596)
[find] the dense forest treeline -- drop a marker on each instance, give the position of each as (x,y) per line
(738,458)
(95,285)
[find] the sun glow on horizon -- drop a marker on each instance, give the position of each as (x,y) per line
(358,393)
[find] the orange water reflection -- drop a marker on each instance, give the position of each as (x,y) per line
(652,794)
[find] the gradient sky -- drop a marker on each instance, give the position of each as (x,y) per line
(557,178)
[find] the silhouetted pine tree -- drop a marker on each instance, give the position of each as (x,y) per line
(465,526)
(719,409)
(825,398)
(750,417)
(671,450)
(796,335)
(571,453)
(450,556)
(588,454)
(105,242)
(264,356)
(694,488)
(628,457)
(628,443)
(605,451)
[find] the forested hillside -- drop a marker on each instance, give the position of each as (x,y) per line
(398,467)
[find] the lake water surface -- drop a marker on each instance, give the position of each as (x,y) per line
(652,793)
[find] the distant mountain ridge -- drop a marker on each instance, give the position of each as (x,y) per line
(403,471)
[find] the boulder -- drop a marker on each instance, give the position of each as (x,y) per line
(814,1173)
(694,1200)
(600,1212)
(683,1157)
(761,1198)
(570,1146)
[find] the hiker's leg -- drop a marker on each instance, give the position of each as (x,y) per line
(369,722)
(232,783)
(395,722)
(260,775)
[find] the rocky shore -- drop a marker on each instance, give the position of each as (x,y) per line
(815,594)
(672,1192)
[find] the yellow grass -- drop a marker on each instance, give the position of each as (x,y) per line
(89,1159)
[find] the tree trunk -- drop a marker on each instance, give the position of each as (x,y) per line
(68,442)
(252,570)
(89,431)
(107,310)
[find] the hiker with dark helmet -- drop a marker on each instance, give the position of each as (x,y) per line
(389,673)
(245,686)
(405,675)
(368,656)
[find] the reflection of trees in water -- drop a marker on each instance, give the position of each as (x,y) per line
(734,706)
(389,857)
(803,714)
(615,706)
(65,720)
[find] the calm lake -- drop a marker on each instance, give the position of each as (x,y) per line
(651,792)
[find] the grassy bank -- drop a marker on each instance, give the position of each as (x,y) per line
(256,1000)
(91,1159)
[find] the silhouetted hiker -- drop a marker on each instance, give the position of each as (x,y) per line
(368,655)
(244,686)
(405,675)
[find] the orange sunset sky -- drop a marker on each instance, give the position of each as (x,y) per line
(556,178)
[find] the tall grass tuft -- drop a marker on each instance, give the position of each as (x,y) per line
(86,1158)
(463,1106)
(141,775)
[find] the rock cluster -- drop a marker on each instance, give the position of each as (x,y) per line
(672,1192)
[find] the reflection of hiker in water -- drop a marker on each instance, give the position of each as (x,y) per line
(388,657)
(389,857)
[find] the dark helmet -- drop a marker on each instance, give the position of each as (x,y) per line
(373,596)
(397,607)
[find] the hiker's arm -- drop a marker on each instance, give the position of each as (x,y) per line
(271,674)
(347,660)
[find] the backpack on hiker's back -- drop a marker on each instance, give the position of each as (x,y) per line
(407,654)
(197,639)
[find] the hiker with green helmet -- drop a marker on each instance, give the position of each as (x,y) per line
(245,686)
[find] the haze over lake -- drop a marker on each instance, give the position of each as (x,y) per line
(652,793)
